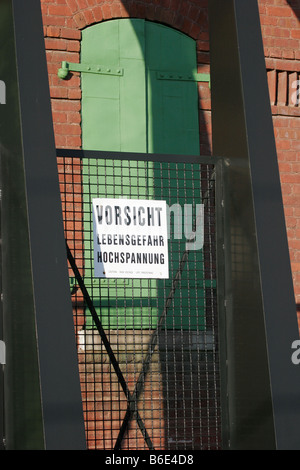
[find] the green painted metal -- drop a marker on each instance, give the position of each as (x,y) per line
(138,111)
(67,67)
(183,76)
(22,413)
(172,105)
(42,406)
(114,108)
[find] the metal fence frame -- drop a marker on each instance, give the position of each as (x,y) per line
(263,384)
(42,397)
(219,208)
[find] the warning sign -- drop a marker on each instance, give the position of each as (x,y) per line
(130,238)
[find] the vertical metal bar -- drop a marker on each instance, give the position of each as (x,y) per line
(43,408)
(22,397)
(263,384)
(221,250)
(2,432)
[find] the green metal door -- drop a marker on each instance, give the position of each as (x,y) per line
(143,100)
(151,105)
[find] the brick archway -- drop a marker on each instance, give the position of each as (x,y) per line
(63,24)
(188,17)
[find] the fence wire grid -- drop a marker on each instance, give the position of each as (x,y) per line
(159,388)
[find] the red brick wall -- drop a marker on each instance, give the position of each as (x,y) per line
(281,36)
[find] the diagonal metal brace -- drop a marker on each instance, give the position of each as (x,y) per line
(153,340)
(151,349)
(131,400)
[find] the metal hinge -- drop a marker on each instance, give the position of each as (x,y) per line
(67,67)
(192,76)
(2,353)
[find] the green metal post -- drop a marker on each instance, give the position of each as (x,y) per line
(262,383)
(42,399)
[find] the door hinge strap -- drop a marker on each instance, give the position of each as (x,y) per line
(192,76)
(67,67)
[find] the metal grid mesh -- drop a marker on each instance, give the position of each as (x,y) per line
(159,386)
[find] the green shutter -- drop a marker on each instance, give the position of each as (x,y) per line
(138,111)
(114,107)
(172,104)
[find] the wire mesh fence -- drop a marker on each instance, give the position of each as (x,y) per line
(147,348)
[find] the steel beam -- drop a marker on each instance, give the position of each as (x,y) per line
(262,383)
(42,398)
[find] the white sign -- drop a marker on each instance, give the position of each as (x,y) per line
(130,238)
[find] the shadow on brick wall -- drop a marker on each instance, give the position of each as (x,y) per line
(295,5)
